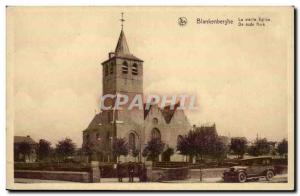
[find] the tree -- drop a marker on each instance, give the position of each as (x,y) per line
(282,147)
(199,142)
(25,149)
(252,150)
(263,146)
(120,147)
(220,150)
(206,138)
(65,148)
(238,146)
(185,145)
(44,149)
(260,147)
(153,149)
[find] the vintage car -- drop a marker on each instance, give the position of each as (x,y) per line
(250,169)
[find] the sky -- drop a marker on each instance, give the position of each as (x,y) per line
(239,74)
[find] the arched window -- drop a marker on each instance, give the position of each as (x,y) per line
(131,141)
(134,69)
(125,68)
(155,121)
(155,134)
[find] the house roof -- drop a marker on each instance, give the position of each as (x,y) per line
(27,139)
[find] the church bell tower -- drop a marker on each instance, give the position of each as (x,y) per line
(122,73)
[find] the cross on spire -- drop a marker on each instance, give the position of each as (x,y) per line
(122,20)
(122,47)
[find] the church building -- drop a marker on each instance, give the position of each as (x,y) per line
(123,73)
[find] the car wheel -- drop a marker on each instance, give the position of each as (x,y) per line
(242,177)
(269,175)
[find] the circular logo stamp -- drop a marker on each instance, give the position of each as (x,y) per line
(182,21)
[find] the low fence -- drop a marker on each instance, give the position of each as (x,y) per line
(194,165)
(73,171)
(50,171)
(53,166)
(281,162)
(107,169)
(54,175)
(172,164)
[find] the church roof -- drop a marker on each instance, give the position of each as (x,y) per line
(122,50)
(122,46)
(146,111)
(167,112)
(128,56)
(96,121)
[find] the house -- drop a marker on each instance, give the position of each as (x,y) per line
(25,149)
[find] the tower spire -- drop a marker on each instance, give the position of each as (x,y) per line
(122,47)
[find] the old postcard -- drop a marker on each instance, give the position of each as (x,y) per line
(150,98)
